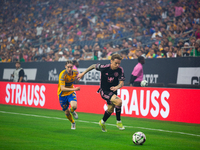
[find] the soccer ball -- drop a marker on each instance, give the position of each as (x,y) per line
(139,138)
(144,83)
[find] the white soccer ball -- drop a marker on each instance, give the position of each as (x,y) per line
(144,83)
(139,138)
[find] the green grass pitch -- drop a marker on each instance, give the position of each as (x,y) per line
(23,128)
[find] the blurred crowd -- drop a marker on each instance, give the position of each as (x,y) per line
(49,30)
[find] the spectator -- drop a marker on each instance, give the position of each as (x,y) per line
(43,58)
(180,43)
(151,53)
(84,23)
(39,29)
(56,25)
(46,49)
(159,54)
(186,50)
(61,56)
(48,58)
(197,33)
(157,32)
(196,51)
(178,10)
(41,50)
(21,58)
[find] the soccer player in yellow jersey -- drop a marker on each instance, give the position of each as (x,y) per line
(66,92)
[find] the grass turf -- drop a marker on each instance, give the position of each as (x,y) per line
(41,130)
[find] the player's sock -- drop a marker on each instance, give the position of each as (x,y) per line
(118,112)
(70,118)
(71,110)
(106,116)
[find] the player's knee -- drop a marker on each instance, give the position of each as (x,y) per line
(67,112)
(110,110)
(119,102)
(74,107)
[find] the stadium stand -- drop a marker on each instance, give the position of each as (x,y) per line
(31,30)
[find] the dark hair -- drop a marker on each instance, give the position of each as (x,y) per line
(140,58)
(116,56)
(17,62)
(69,62)
(74,62)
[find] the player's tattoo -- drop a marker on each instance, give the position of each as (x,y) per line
(120,85)
(90,68)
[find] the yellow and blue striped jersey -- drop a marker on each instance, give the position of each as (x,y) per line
(66,80)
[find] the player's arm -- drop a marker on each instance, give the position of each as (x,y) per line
(65,89)
(76,80)
(114,88)
(21,74)
(87,70)
(20,79)
(12,75)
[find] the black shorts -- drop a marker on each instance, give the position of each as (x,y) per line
(137,84)
(106,95)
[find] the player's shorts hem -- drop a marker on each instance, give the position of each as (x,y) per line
(106,95)
(65,100)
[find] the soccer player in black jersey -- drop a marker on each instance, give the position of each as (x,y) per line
(112,78)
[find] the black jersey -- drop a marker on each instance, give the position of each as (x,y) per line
(110,77)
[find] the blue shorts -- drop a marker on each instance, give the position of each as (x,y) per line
(65,100)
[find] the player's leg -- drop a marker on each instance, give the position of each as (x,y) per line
(118,104)
(73,102)
(108,112)
(106,115)
(70,118)
(65,107)
(73,108)
(106,96)
(73,105)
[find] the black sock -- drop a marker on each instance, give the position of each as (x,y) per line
(106,116)
(118,112)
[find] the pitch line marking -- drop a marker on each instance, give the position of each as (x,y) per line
(39,116)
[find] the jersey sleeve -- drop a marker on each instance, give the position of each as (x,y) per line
(61,79)
(122,76)
(21,73)
(101,67)
(75,72)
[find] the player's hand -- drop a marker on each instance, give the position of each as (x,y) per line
(77,89)
(113,88)
(80,75)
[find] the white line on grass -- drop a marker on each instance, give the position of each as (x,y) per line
(14,113)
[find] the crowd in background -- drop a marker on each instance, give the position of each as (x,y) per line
(49,30)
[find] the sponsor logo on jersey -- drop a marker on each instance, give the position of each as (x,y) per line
(116,74)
